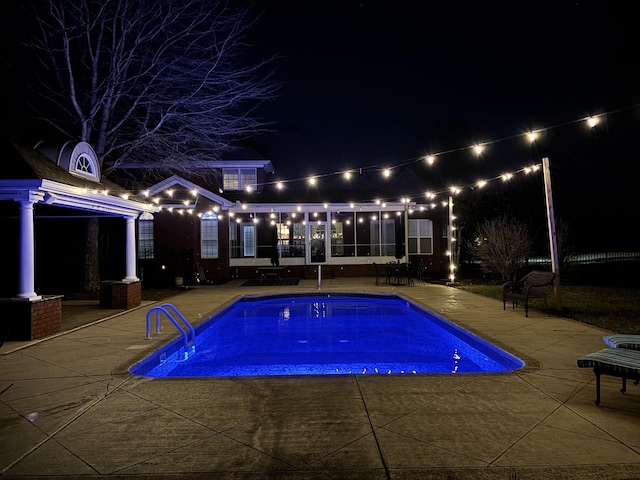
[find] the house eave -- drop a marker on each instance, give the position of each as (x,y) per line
(63,195)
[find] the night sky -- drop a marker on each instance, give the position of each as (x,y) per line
(383,83)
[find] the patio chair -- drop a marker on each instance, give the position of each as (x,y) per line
(381,272)
(616,362)
(535,284)
(631,342)
(417,271)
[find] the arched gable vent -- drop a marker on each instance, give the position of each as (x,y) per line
(80,159)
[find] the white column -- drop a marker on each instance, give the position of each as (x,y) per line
(26,285)
(406,234)
(131,251)
(450,244)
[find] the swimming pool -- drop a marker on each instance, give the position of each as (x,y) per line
(322,334)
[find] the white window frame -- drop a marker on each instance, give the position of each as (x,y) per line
(248,239)
(385,246)
(145,237)
(239,178)
(209,235)
(420,236)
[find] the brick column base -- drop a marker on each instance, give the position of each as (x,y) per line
(31,320)
(118,294)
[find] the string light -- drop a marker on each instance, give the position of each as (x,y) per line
(429,159)
(479,148)
(431,195)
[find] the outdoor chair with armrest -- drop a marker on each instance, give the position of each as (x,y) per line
(535,284)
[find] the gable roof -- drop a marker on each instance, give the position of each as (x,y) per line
(176,180)
(29,175)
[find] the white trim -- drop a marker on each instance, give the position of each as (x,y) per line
(265,165)
(177,180)
(320,207)
(63,195)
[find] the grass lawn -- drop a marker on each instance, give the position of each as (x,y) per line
(613,308)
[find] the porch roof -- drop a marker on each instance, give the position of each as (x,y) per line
(29,175)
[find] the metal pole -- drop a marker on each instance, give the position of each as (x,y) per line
(551,222)
(319,276)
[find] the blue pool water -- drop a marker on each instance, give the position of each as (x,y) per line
(326,334)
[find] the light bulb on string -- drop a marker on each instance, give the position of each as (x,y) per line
(479,148)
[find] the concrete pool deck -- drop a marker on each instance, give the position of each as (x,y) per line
(70,409)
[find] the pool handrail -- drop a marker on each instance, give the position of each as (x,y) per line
(164,309)
(186,322)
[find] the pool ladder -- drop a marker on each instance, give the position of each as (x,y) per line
(169,311)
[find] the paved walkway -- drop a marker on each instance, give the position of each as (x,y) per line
(69,407)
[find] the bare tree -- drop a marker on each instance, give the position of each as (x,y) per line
(501,246)
(163,85)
